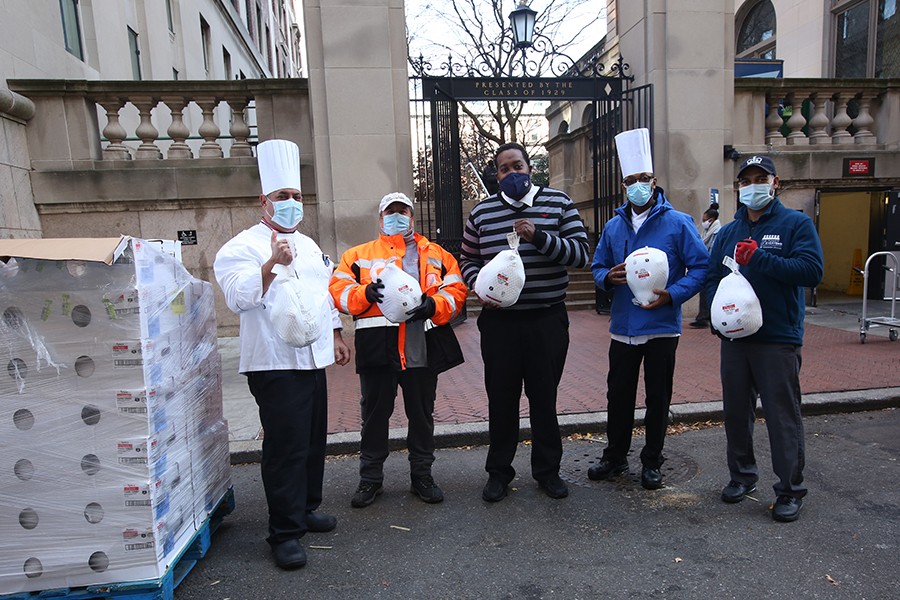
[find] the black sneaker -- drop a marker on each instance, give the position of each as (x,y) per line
(651,479)
(735,491)
(606,469)
(787,508)
(425,488)
(554,487)
(494,490)
(366,493)
(289,554)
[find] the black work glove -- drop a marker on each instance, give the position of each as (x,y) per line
(424,310)
(373,292)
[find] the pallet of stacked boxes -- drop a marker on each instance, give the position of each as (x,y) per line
(113,444)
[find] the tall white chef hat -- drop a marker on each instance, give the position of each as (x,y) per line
(279,165)
(633,148)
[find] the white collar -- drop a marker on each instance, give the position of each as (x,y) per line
(637,219)
(527,199)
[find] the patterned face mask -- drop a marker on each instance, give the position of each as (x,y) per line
(516,185)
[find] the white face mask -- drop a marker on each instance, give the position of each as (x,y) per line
(706,225)
(287,213)
(756,196)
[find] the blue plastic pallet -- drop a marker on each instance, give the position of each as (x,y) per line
(148,589)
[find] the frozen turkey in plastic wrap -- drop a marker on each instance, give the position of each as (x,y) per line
(501,280)
(646,269)
(402,293)
(298,308)
(735,311)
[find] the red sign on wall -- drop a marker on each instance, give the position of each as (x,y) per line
(859,167)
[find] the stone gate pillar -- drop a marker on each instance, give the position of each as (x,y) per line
(357,62)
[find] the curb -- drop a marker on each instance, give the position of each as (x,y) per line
(476,434)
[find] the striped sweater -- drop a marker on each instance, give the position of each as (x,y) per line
(560,241)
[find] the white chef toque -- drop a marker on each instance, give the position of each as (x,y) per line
(279,165)
(633,148)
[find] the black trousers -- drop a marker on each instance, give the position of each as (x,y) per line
(293,410)
(379,390)
(523,347)
(772,371)
(658,356)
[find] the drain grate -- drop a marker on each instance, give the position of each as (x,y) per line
(581,455)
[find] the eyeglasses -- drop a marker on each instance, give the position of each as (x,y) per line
(643,179)
(745,181)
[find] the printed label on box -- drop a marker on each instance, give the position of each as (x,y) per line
(138,539)
(132,402)
(127,355)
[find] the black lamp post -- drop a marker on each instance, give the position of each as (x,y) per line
(522,21)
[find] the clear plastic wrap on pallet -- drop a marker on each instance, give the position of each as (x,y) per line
(112,441)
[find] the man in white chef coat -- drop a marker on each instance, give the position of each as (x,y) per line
(288,383)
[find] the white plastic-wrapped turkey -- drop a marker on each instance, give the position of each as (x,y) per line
(501,280)
(735,311)
(402,293)
(646,269)
(297,310)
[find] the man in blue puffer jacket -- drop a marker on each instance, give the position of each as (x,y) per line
(648,333)
(779,253)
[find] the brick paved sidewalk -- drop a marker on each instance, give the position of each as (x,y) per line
(833,361)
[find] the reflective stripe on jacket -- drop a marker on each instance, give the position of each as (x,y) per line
(439,277)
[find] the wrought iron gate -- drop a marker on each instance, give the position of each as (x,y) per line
(438,171)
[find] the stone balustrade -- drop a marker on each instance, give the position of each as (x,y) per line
(799,113)
(154,120)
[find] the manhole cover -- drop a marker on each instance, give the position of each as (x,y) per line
(581,455)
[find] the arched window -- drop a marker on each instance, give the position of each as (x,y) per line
(756,31)
(563,128)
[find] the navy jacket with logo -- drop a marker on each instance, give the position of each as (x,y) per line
(789,259)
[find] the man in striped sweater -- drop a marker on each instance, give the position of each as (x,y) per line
(528,341)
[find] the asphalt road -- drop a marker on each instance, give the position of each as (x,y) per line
(606,540)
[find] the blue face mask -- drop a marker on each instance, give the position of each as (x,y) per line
(516,185)
(639,193)
(287,213)
(395,224)
(756,196)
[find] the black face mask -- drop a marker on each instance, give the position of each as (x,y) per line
(516,185)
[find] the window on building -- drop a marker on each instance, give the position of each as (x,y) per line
(867,38)
(175,74)
(135,50)
(259,28)
(756,31)
(169,20)
(204,42)
(71,24)
(248,16)
(269,50)
(226,60)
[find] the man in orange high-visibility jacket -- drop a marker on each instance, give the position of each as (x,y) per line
(412,356)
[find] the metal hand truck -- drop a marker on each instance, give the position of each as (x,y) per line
(892,321)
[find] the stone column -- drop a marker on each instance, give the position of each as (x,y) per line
(20,217)
(660,42)
(360,113)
